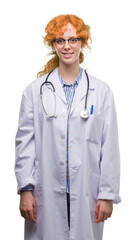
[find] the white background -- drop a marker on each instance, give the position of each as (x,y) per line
(112,59)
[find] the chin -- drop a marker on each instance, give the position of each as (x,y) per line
(69,61)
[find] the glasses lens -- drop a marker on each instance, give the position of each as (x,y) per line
(73,40)
(60,41)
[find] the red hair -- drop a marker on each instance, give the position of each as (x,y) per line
(56,27)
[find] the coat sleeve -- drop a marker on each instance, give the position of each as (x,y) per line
(25,146)
(110,155)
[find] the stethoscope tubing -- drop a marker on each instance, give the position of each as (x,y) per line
(87,90)
(48,82)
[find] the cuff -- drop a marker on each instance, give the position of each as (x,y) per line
(25,182)
(110,196)
(29,187)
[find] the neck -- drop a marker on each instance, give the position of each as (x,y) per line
(69,72)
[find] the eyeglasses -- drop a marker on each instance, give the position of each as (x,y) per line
(71,41)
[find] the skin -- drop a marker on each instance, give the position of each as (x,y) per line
(68,64)
(103,210)
(28,206)
(69,69)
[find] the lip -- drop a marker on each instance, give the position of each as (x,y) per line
(67,55)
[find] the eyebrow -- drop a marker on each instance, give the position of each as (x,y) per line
(68,38)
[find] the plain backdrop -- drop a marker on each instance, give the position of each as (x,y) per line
(112,59)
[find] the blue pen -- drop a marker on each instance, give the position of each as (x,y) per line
(91,110)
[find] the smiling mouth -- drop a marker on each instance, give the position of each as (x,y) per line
(67,53)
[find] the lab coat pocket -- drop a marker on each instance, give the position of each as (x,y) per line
(93,131)
(37,193)
(38,199)
(93,185)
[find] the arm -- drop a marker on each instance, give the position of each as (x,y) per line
(110,161)
(28,206)
(25,159)
(25,146)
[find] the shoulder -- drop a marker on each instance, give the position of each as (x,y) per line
(96,82)
(33,88)
(99,85)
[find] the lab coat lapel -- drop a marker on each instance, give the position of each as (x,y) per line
(80,92)
(54,78)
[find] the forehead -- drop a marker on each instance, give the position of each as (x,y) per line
(68,30)
(69,27)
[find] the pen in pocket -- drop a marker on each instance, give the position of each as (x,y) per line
(91,110)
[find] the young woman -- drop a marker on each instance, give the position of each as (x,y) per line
(67,153)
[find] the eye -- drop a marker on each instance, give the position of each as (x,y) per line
(73,40)
(60,41)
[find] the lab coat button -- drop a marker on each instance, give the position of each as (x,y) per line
(62,137)
(61,163)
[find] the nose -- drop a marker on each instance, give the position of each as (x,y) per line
(66,45)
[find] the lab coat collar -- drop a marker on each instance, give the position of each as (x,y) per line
(80,90)
(54,79)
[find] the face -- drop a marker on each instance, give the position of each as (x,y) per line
(68,53)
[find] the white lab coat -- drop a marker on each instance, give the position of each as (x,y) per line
(94,165)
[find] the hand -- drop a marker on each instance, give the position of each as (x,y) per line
(103,210)
(28,206)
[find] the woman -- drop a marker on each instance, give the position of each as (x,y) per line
(67,153)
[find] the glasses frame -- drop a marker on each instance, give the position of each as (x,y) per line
(65,40)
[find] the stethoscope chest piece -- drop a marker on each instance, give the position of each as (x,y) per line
(84,114)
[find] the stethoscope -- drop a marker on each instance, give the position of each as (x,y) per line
(84,113)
